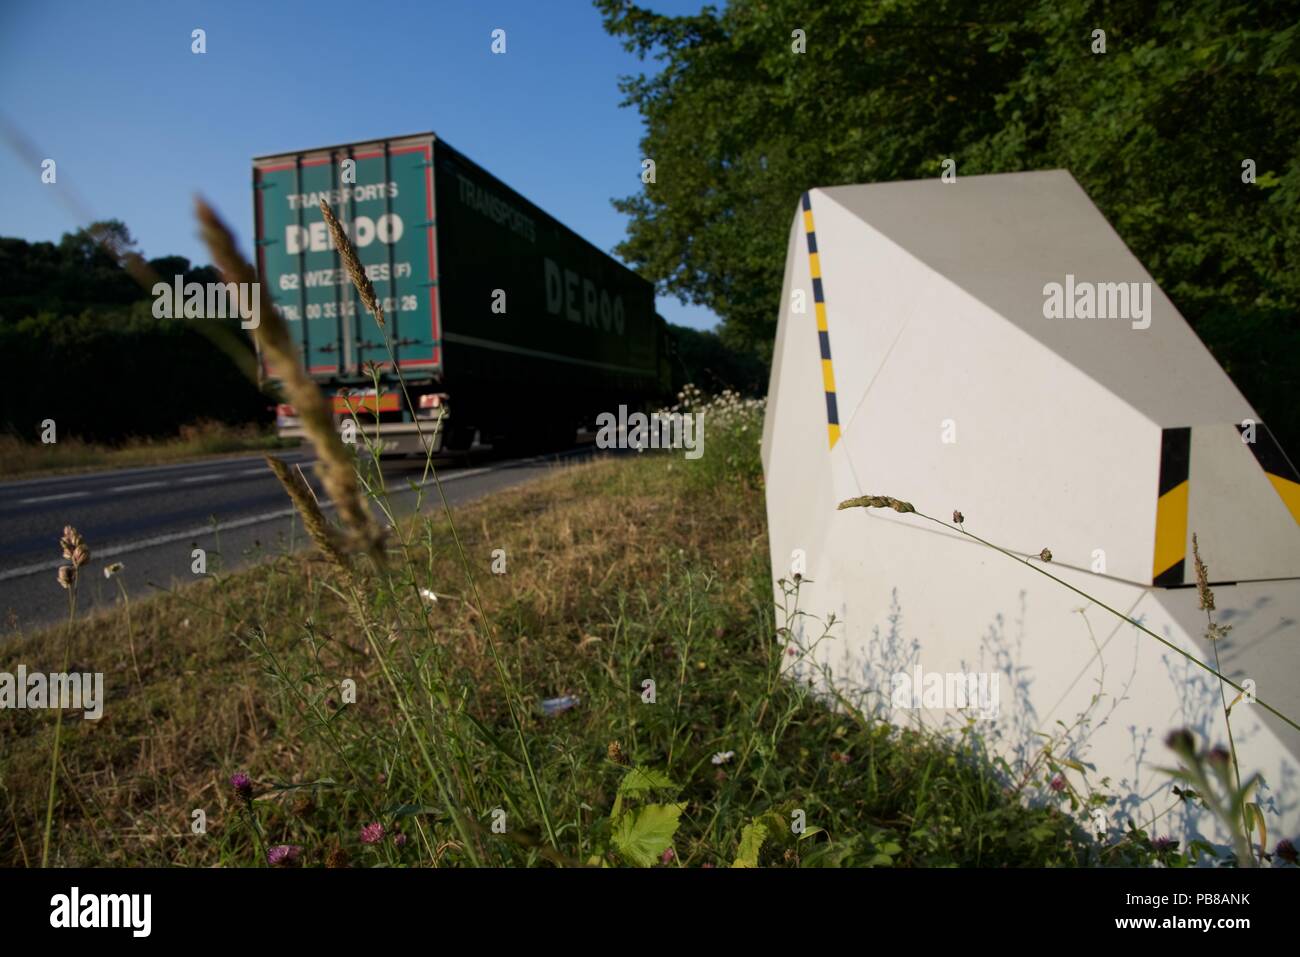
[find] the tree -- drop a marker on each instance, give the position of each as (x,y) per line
(1156,129)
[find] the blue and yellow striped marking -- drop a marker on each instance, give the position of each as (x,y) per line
(823,334)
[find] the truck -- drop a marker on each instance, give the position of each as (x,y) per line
(502,325)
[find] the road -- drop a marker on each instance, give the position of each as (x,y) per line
(151,519)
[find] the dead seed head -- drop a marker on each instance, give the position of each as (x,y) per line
(877,501)
(334,463)
(1045,554)
(958,518)
(74,546)
(356,271)
(1202,578)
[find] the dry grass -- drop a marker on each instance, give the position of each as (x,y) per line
(575,542)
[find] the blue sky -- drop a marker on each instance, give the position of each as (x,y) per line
(138,123)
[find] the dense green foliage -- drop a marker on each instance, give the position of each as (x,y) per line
(81,346)
(1155,129)
(704,360)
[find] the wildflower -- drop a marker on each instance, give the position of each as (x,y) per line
(1286,850)
(243,786)
(372,833)
(399,839)
(722,757)
(1057,783)
(113,569)
(1164,843)
(428,595)
(1219,756)
(840,757)
(667,856)
(957,517)
(283,855)
(1045,554)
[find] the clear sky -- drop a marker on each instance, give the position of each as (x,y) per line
(138,123)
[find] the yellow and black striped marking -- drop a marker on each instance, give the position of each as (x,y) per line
(1171,507)
(1277,467)
(823,334)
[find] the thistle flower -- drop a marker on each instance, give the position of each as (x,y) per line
(283,855)
(1057,783)
(1163,843)
(372,833)
(243,786)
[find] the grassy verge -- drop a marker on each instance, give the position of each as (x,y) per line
(19,459)
(615,573)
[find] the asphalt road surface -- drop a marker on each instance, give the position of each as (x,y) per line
(151,519)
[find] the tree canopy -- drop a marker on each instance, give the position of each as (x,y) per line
(1156,129)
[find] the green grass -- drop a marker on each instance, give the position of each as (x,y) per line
(19,458)
(616,572)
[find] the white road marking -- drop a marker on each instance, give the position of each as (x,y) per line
(200,478)
(50,498)
(132,488)
(191,533)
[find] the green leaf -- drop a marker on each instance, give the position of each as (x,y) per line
(643,834)
(751,842)
(641,780)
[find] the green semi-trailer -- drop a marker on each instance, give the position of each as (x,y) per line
(503,322)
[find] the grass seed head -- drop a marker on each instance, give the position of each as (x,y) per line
(334,464)
(352,263)
(877,501)
(1202,578)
